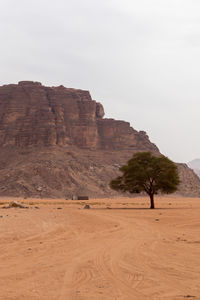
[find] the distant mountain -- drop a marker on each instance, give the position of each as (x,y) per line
(195,165)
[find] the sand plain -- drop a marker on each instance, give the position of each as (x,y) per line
(118,249)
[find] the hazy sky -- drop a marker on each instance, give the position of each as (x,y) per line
(139,58)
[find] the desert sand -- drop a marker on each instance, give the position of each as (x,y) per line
(56,250)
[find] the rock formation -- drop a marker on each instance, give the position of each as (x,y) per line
(195,165)
(32,114)
(54,142)
(190,182)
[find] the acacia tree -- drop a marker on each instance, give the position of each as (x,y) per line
(149,173)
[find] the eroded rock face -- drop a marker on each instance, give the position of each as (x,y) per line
(47,140)
(32,114)
(99,110)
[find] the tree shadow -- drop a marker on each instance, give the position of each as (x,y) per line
(139,208)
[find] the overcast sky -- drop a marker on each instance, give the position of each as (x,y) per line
(139,58)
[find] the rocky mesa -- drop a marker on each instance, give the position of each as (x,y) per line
(32,114)
(55,142)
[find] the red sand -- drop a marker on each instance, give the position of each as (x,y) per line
(126,252)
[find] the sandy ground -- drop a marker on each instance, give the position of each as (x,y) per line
(125,252)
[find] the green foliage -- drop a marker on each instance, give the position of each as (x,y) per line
(145,172)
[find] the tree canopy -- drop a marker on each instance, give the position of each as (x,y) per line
(149,173)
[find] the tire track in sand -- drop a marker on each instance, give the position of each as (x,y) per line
(98,270)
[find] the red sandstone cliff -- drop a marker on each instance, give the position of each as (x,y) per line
(32,114)
(54,142)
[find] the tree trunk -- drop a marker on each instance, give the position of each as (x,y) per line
(152,201)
